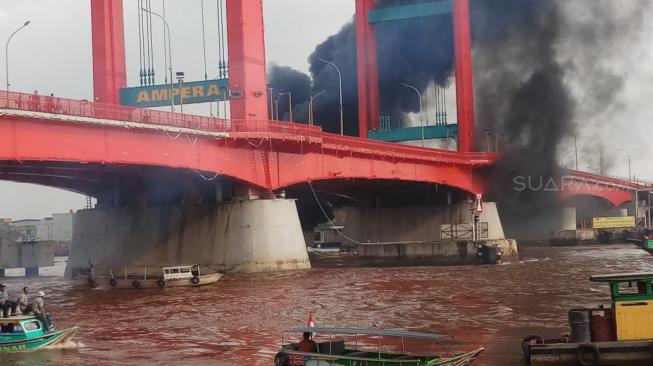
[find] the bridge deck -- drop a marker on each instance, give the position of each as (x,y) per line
(46,107)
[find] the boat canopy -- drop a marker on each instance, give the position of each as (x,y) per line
(623,277)
(180,266)
(363,331)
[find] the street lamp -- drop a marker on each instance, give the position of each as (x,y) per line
(421,112)
(630,176)
(342,124)
(172,86)
(7,53)
(180,78)
(562,161)
(576,152)
(311,120)
(289,94)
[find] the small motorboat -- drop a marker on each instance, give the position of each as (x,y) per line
(369,347)
(135,278)
(25,333)
(618,335)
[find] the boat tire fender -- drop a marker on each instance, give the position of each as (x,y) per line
(136,284)
(113,282)
(195,280)
(280,359)
(588,354)
(526,346)
(161,283)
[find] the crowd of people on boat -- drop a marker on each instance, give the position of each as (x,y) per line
(23,304)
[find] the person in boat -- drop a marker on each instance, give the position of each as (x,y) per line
(5,303)
(307,344)
(91,268)
(38,307)
(23,302)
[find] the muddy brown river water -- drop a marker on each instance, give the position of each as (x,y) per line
(239,320)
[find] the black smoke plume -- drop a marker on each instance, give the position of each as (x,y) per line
(284,79)
(538,69)
(521,91)
(530,59)
(417,51)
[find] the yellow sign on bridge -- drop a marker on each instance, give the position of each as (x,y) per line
(613,222)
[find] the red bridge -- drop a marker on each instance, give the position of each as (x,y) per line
(126,156)
(269,155)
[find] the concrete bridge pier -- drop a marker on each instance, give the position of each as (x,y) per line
(426,235)
(244,234)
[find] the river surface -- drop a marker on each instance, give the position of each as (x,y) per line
(239,320)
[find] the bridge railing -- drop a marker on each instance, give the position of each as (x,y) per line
(86,109)
(373,147)
(249,128)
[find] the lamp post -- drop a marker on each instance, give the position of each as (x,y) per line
(628,154)
(342,124)
(310,107)
(421,112)
(7,53)
(289,94)
(562,161)
(180,78)
(576,152)
(172,86)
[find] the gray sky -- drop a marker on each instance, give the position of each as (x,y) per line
(53,55)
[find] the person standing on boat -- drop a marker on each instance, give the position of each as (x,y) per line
(23,302)
(91,268)
(39,310)
(5,302)
(307,344)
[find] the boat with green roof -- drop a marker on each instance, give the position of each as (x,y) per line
(24,333)
(370,347)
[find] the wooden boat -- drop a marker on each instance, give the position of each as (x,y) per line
(334,350)
(618,335)
(27,333)
(173,276)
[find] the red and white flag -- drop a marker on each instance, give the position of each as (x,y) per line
(310,320)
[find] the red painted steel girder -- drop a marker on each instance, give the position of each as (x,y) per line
(615,195)
(367,70)
(108,39)
(464,75)
(247,74)
(266,154)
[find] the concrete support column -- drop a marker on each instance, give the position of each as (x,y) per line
(31,271)
(439,234)
(241,236)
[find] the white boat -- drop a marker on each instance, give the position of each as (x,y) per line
(171,276)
